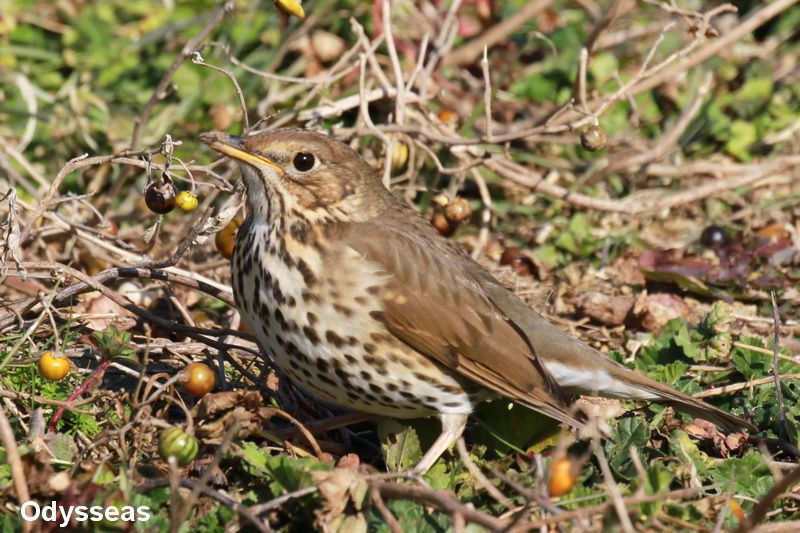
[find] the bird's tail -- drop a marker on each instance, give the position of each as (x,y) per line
(666,395)
(589,372)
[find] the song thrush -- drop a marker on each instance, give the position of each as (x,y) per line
(361,302)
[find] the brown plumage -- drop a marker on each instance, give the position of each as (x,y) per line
(362,302)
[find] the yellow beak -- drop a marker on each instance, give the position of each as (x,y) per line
(231,146)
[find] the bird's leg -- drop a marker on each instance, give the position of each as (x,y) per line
(452,427)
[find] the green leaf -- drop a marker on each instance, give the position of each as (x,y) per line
(748,475)
(63,447)
(681,445)
(255,456)
(630,432)
(412,517)
(743,135)
(657,480)
(752,96)
(506,427)
(400,446)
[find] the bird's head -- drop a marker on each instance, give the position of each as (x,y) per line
(289,173)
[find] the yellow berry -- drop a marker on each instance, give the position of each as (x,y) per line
(399,155)
(186,201)
(291,7)
(53,366)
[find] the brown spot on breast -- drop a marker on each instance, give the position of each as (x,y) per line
(306,272)
(408,362)
(277,294)
(310,297)
(427,379)
(299,231)
(370,348)
(280,319)
(326,379)
(383,338)
(346,311)
(451,389)
(294,351)
(312,318)
(341,374)
(334,338)
(375,362)
(311,335)
(371,397)
(263,311)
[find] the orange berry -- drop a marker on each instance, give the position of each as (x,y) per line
(737,511)
(448,116)
(200,379)
(562,476)
(226,238)
(439,221)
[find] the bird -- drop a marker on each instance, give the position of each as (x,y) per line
(361,302)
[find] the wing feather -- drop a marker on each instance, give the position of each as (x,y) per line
(433,303)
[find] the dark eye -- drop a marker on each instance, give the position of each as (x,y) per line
(303,161)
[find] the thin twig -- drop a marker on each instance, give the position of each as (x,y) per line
(476,473)
(14,462)
(487,95)
(197,59)
(776,347)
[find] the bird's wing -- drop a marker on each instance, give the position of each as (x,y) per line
(433,303)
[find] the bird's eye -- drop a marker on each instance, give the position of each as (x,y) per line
(303,161)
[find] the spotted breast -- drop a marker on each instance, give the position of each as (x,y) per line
(315,308)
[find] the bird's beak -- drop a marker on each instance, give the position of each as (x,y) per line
(232,146)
